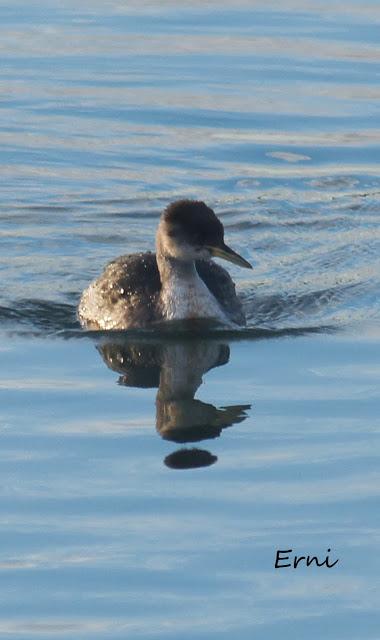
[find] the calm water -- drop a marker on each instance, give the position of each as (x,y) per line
(135,500)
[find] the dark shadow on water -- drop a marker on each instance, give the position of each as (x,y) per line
(176,368)
(173,333)
(45,318)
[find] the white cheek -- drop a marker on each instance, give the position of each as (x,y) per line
(173,248)
(184,251)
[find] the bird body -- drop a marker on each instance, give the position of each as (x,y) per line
(178,282)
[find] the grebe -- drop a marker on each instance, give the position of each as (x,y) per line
(178,282)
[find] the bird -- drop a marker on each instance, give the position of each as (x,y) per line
(179,282)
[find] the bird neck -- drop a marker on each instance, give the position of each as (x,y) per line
(173,270)
(183,294)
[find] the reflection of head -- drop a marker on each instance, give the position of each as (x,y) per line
(176,368)
(191,420)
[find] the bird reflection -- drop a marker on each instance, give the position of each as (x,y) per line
(176,368)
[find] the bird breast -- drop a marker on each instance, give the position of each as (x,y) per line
(183,299)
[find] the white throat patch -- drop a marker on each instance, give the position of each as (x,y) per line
(183,299)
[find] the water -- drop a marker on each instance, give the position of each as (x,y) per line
(136,501)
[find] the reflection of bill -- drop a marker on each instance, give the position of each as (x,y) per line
(176,368)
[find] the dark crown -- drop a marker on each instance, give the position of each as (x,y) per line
(193,221)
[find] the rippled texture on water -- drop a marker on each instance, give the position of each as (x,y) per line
(268,114)
(153,507)
(109,530)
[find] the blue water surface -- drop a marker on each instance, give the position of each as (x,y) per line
(147,480)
